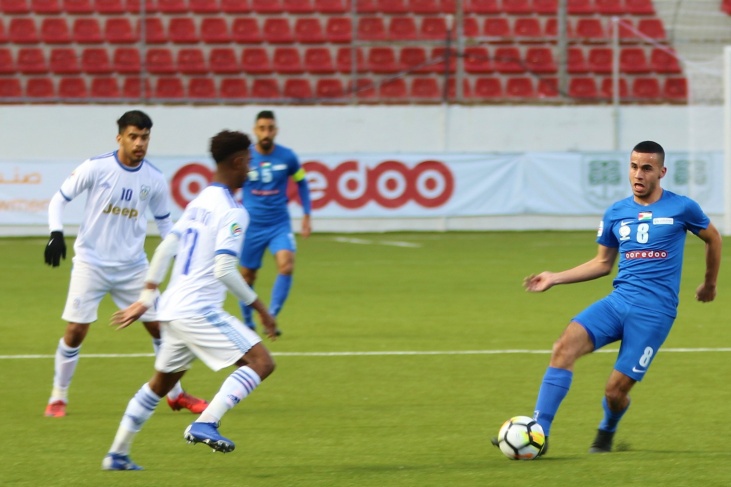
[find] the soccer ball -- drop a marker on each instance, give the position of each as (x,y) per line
(521,438)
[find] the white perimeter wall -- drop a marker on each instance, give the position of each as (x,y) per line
(30,132)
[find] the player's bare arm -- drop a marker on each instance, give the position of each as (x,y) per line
(267,320)
(706,292)
(306,226)
(599,266)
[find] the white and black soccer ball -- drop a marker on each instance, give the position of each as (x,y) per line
(521,438)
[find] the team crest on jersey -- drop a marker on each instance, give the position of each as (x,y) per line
(145,192)
(236,230)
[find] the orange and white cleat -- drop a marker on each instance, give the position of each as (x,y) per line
(56,409)
(185,401)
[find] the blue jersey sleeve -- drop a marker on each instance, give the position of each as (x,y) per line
(695,219)
(605,236)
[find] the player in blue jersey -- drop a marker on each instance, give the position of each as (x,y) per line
(265,198)
(647,231)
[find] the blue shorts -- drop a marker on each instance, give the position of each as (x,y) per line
(259,238)
(641,330)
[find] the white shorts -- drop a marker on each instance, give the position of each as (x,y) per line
(90,283)
(217,338)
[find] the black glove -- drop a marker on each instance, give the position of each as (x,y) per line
(55,249)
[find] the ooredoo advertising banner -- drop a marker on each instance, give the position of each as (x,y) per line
(404,185)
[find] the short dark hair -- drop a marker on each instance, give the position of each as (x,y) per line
(650,147)
(227,143)
(134,118)
(268,114)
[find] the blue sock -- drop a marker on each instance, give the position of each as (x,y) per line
(280,291)
(611,419)
(555,386)
(247,314)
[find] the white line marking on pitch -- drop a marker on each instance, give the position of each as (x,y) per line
(363,241)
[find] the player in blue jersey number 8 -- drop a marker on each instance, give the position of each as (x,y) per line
(647,231)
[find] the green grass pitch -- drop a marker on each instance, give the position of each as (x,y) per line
(392,371)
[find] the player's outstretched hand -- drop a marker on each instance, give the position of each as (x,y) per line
(269,324)
(55,249)
(125,317)
(538,283)
(705,294)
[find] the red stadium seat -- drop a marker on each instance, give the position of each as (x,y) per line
(517,7)
(95,60)
(339,29)
(22,30)
(40,88)
(63,60)
(118,30)
(676,89)
(402,29)
(73,88)
(223,60)
(297,89)
(382,60)
(726,6)
(318,60)
(105,87)
(235,7)
(364,90)
(14,7)
(580,7)
(425,6)
(371,29)
(45,7)
(245,30)
(55,30)
(256,60)
(31,60)
(3,34)
(214,30)
(609,7)
(520,87)
(583,87)
(135,6)
(10,88)
(393,90)
(600,60)
(540,60)
(394,7)
(201,88)
(627,32)
(415,60)
(490,88)
(110,7)
(267,6)
(191,61)
(86,30)
(639,7)
(497,29)
(646,89)
(545,7)
(265,89)
(477,60)
(439,58)
(366,6)
(287,60)
(277,30)
(528,29)
(664,60)
(169,88)
(154,31)
(482,7)
(181,30)
(588,30)
(550,29)
(135,88)
(508,60)
(547,88)
(329,88)
(298,6)
(576,62)
(344,60)
(172,6)
(433,28)
(452,89)
(652,28)
(471,27)
(633,60)
(159,60)
(205,6)
(233,88)
(425,89)
(330,6)
(308,30)
(607,88)
(126,60)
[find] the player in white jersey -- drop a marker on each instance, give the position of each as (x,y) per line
(109,249)
(206,243)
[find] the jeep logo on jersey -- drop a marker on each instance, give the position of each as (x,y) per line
(603,181)
(145,192)
(116,210)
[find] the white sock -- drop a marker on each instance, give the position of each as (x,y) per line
(235,388)
(65,365)
(139,409)
(177,388)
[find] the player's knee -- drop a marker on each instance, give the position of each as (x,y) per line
(286,268)
(75,334)
(617,399)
